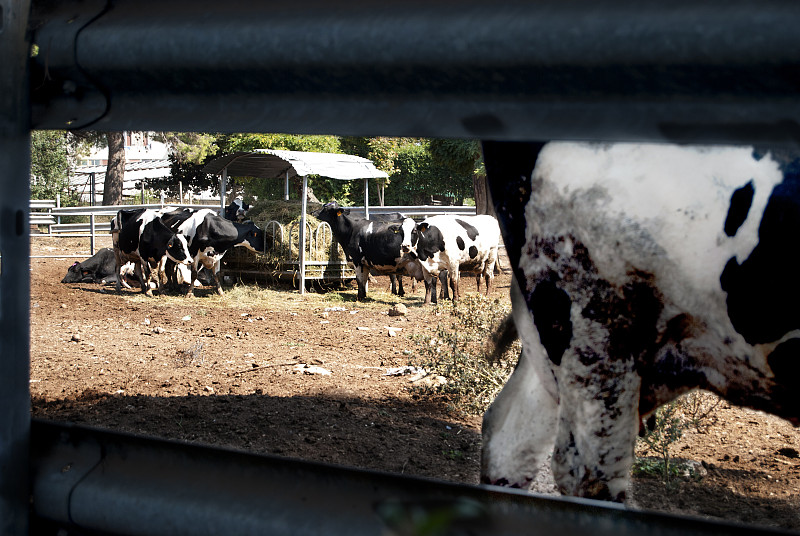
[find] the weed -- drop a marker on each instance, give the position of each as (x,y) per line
(453,454)
(457,351)
(694,410)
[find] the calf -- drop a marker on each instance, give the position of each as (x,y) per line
(141,237)
(641,272)
(211,236)
(370,246)
(99,268)
(454,243)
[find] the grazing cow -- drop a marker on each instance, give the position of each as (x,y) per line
(370,246)
(99,268)
(641,272)
(454,243)
(211,236)
(141,237)
(237,210)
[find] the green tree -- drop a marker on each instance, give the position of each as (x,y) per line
(49,163)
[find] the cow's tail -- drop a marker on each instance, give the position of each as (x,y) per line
(501,339)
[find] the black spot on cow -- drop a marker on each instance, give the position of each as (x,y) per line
(460,243)
(764,289)
(741,201)
(785,364)
(550,306)
(473,252)
(472,232)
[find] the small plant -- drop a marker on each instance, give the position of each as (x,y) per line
(669,427)
(457,351)
(694,410)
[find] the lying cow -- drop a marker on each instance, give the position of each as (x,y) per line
(455,244)
(210,236)
(99,268)
(641,272)
(141,237)
(370,246)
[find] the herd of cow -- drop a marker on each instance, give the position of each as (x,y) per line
(175,246)
(640,272)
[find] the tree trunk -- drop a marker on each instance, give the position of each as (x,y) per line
(115,171)
(483,198)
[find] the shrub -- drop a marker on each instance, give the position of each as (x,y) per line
(457,351)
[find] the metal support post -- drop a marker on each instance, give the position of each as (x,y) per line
(15,417)
(302,249)
(286,188)
(223,187)
(366,198)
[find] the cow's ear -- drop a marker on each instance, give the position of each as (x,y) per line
(422,227)
(339,212)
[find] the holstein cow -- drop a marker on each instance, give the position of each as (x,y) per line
(139,236)
(99,268)
(454,243)
(370,246)
(210,236)
(641,272)
(237,210)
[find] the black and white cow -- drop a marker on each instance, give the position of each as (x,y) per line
(642,272)
(141,237)
(210,236)
(237,210)
(370,246)
(99,268)
(455,244)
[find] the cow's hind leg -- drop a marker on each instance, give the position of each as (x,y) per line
(520,426)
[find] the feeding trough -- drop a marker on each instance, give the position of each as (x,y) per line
(280,164)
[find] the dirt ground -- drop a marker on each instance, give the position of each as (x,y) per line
(274,372)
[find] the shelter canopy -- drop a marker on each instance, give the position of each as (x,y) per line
(272,163)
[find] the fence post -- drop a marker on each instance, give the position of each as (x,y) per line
(91,233)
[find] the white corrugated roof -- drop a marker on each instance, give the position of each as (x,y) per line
(273,163)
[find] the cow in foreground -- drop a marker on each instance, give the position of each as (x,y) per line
(210,236)
(141,237)
(370,246)
(641,272)
(99,268)
(455,244)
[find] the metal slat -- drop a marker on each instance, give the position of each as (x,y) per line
(111,483)
(618,69)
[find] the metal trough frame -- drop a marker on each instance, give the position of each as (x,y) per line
(681,71)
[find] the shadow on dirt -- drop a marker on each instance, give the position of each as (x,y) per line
(389,435)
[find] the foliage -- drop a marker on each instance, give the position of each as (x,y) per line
(420,176)
(418,168)
(457,351)
(693,410)
(49,163)
(461,156)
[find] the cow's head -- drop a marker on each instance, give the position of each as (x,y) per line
(409,230)
(253,238)
(331,212)
(74,274)
(237,210)
(178,250)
